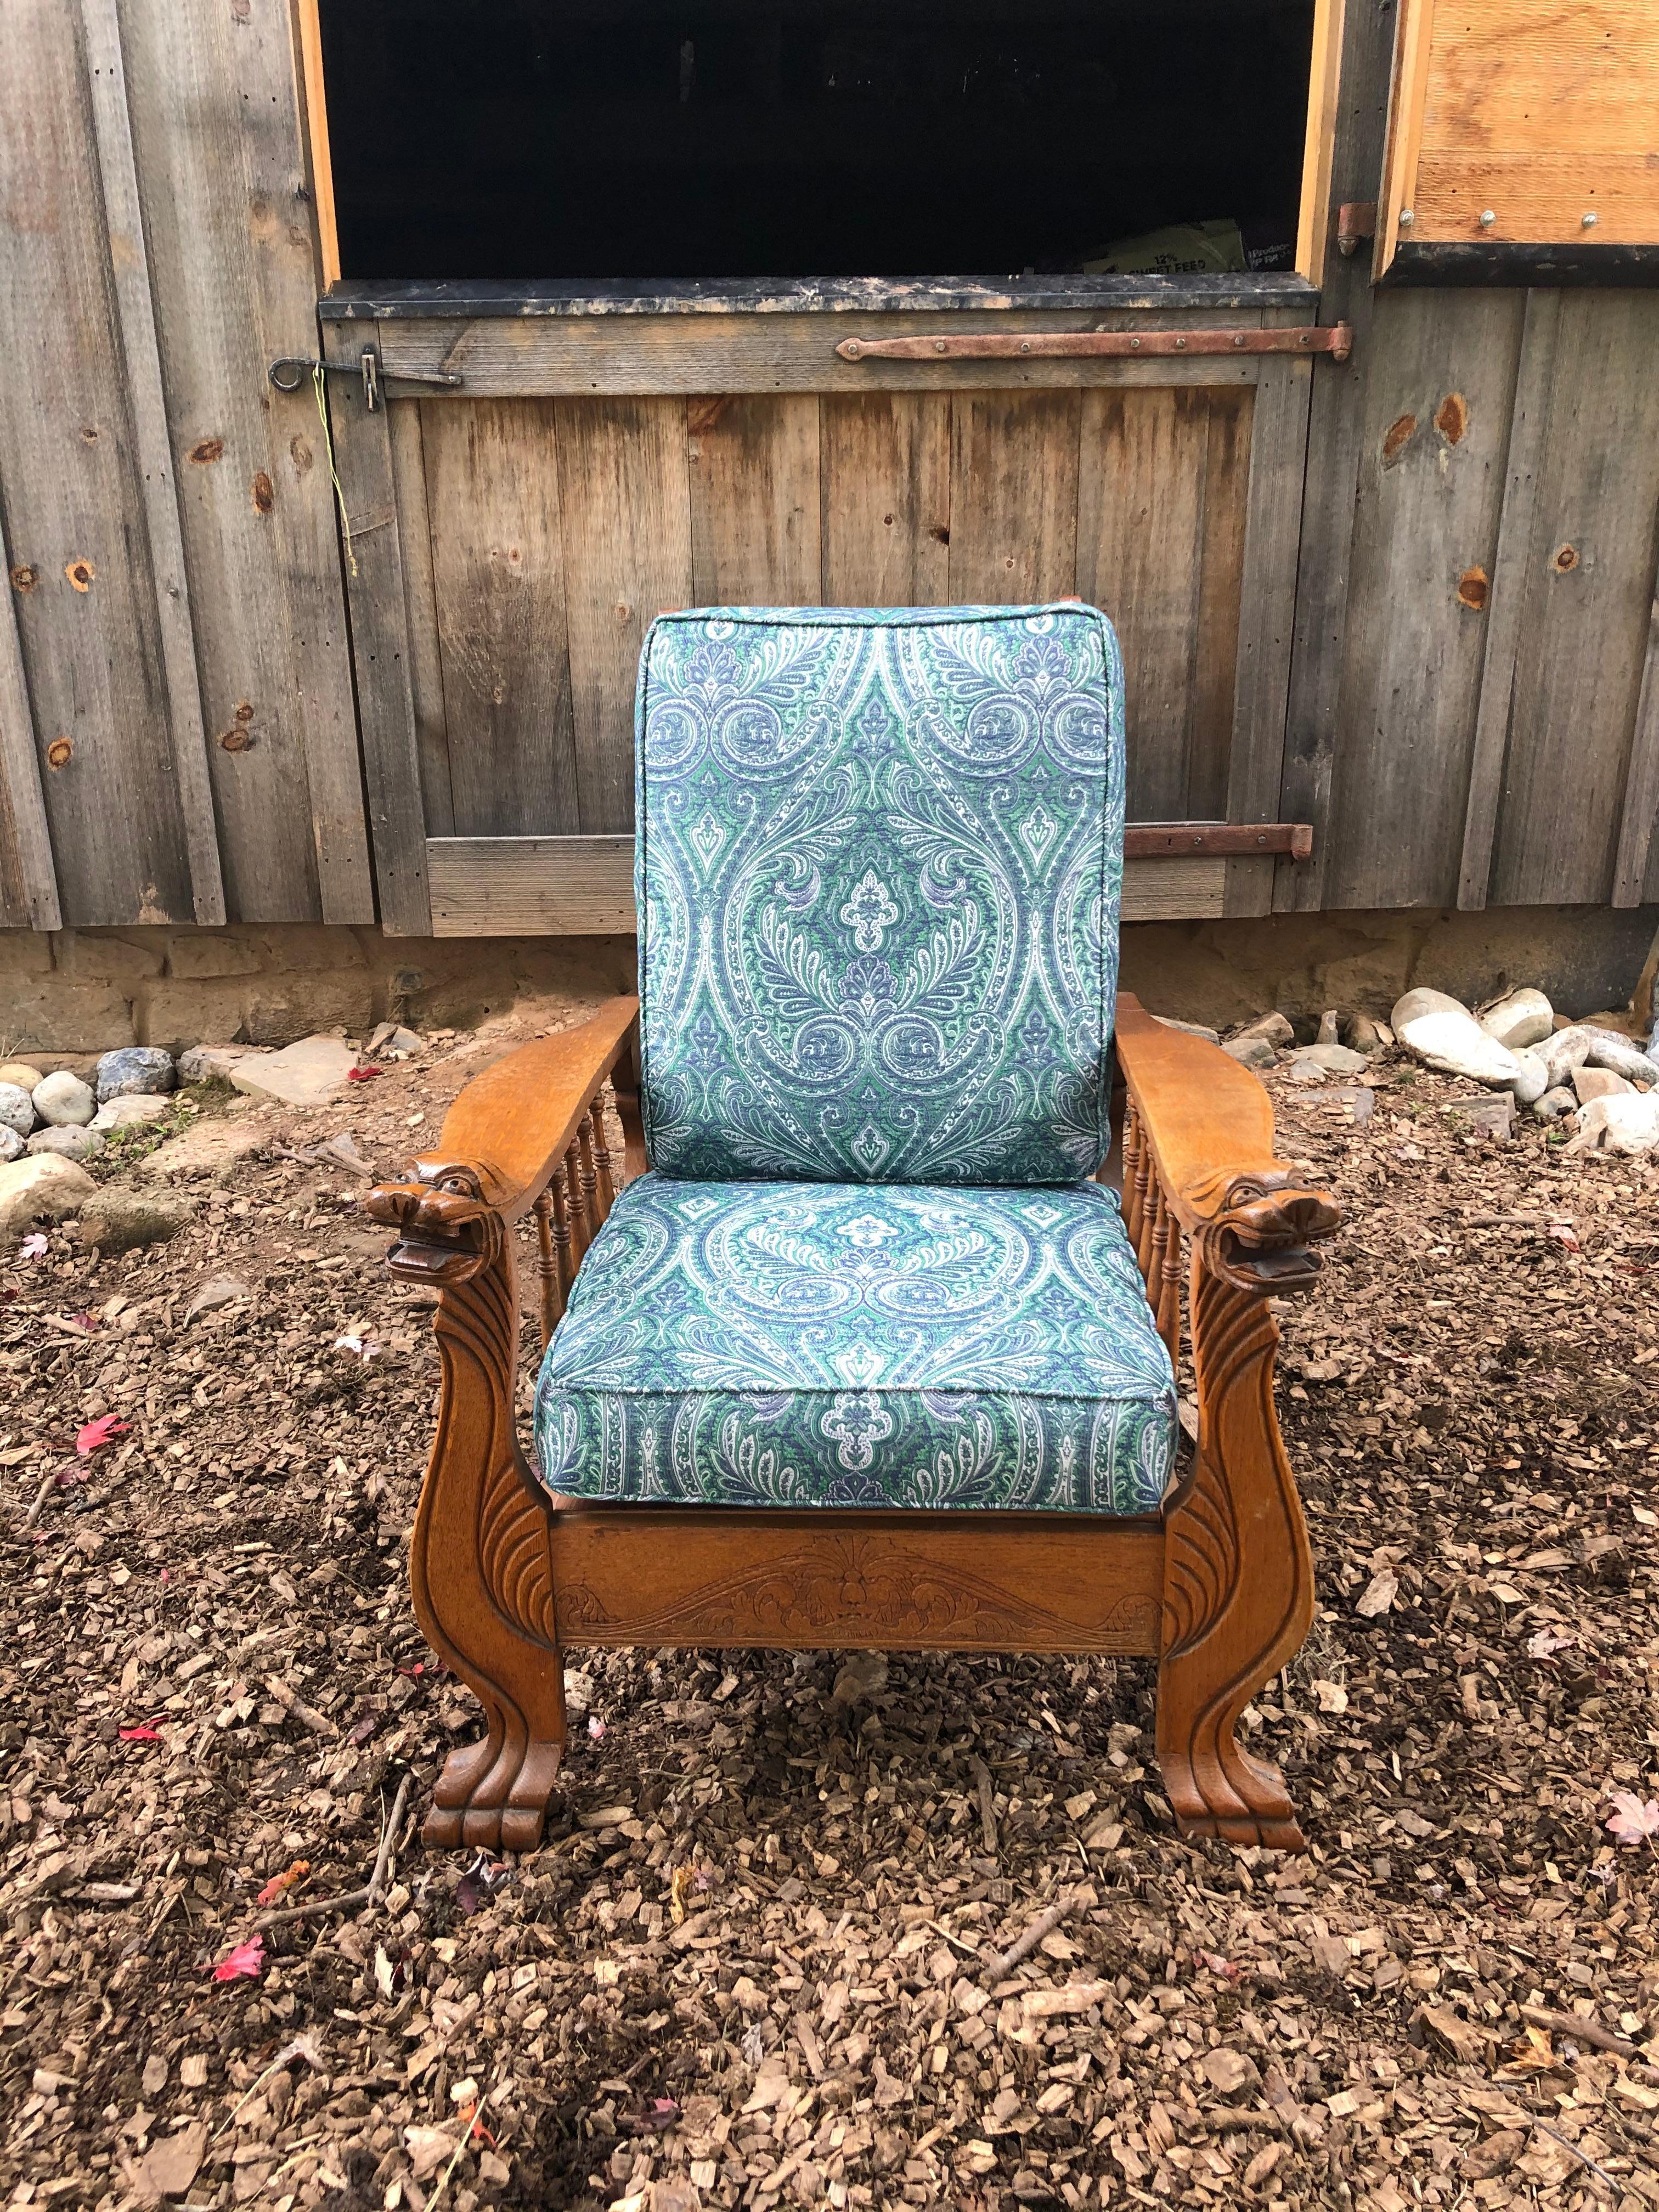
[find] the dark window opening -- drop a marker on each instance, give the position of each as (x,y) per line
(545,140)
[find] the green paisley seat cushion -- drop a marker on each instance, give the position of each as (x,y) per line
(877,1344)
(878,863)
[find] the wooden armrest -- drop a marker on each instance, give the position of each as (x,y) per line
(1208,1125)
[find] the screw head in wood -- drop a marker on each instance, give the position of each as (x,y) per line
(1589,218)
(1407,217)
(1487,218)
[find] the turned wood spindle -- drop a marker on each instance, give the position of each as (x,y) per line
(547,1267)
(579,1237)
(602,1161)
(591,1215)
(561,1213)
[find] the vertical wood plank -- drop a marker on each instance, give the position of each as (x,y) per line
(426,670)
(1266,614)
(130,266)
(1215,672)
(321,165)
(1587,613)
(1144,458)
(1638,847)
(1319,149)
(498,577)
(31,898)
(380,644)
(1013,497)
(885,475)
(1336,430)
(1440,385)
(73,508)
(753,465)
(626,514)
(217,129)
(1506,601)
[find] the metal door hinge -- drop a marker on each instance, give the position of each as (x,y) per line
(1355,219)
(1335,339)
(290,371)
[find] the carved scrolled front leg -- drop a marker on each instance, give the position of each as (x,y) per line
(1239,1574)
(479,1562)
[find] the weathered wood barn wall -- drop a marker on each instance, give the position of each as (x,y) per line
(1407,597)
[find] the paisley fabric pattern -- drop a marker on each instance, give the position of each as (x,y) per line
(878,863)
(818,1344)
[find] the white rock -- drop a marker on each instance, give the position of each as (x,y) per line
(1524,1018)
(203,1062)
(1555,1103)
(40,1187)
(17,1109)
(1620,1054)
(63,1100)
(212,1147)
(1334,1059)
(1562,1052)
(69,1140)
(135,1106)
(11,1145)
(1532,1081)
(1627,1123)
(1305,1068)
(308,1073)
(1444,1034)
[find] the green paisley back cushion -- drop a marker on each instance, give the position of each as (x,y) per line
(879,856)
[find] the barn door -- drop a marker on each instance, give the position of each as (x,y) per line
(515,527)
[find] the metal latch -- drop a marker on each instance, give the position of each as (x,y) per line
(290,371)
(1335,339)
(1355,219)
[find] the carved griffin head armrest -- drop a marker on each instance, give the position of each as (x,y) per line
(1259,1227)
(448,1230)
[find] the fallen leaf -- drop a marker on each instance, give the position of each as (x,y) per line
(280,1883)
(33,1247)
(143,1732)
(96,1434)
(363,1075)
(243,1963)
(1632,1821)
(1378,1595)
(1533,2054)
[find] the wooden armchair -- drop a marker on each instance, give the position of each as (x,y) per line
(1210,1575)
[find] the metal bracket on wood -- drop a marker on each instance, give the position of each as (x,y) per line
(1181,841)
(290,371)
(1355,219)
(1335,339)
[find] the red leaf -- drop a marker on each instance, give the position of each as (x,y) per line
(280,1882)
(363,1075)
(96,1434)
(144,1732)
(243,1963)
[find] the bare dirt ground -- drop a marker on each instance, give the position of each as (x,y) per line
(748,1965)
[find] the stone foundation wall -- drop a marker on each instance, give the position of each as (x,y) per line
(86,990)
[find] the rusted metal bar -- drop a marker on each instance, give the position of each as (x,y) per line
(1181,840)
(1334,338)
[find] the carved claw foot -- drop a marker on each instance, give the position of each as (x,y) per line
(1250,1806)
(492,1796)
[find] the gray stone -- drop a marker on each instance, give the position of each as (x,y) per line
(20,1072)
(1305,1068)
(1189,1028)
(1361,1034)
(11,1145)
(1334,1059)
(1250,1051)
(40,1187)
(69,1140)
(1622,1054)
(211,1148)
(1360,1101)
(308,1073)
(1562,1052)
(1328,1028)
(17,1109)
(136,1069)
(117,1220)
(220,1291)
(1274,1027)
(1493,1116)
(1555,1103)
(63,1100)
(1443,1033)
(391,1040)
(1524,1018)
(123,1113)
(204,1063)
(1590,1083)
(1532,1081)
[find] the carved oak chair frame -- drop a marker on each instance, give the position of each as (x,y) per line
(1218,1587)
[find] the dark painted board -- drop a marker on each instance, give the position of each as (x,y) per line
(499,586)
(1590,591)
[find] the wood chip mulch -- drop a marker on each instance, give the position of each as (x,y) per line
(757,1962)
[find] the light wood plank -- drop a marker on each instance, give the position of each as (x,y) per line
(1319,146)
(91,643)
(130,266)
(1537,198)
(886,493)
(1405,129)
(535,357)
(321,165)
(1588,609)
(217,131)
(1013,497)
(754,477)
(627,512)
(1529,424)
(499,582)
(584,887)
(32,899)
(380,643)
(1267,615)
